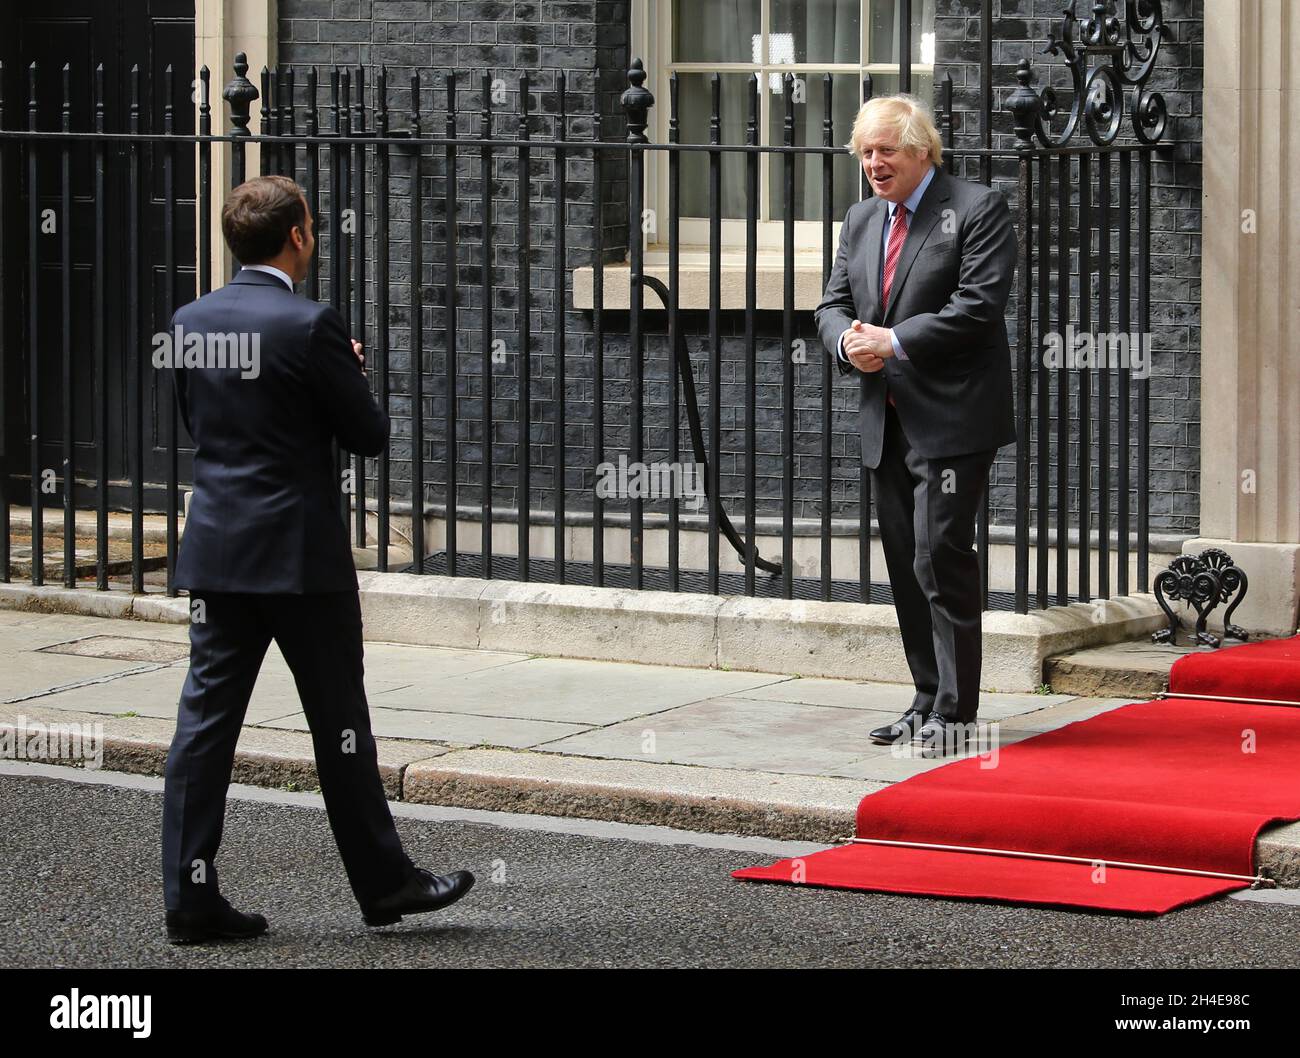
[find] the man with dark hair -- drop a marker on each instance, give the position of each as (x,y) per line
(265,556)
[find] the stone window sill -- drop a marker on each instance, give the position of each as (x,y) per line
(693,281)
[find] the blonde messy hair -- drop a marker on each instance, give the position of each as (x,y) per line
(904,115)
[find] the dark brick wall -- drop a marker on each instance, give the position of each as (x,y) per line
(589,41)
(1021,28)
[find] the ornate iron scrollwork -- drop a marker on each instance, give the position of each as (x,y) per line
(1203,581)
(1124,53)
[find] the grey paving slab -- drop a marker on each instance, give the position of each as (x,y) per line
(27,630)
(842,694)
(891,697)
(402,664)
(26,668)
(455,728)
(275,681)
(734,732)
(1067,713)
(885,767)
(573,692)
(894,764)
(29,673)
(1001,706)
(156,693)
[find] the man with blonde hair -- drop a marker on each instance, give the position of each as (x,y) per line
(914,308)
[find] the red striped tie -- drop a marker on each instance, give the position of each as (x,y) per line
(897,233)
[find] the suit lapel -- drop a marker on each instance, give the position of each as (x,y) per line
(875,230)
(928,211)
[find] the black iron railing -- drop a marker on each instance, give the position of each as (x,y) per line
(372,267)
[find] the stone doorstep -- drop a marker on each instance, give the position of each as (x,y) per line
(711,800)
(86,523)
(1118,670)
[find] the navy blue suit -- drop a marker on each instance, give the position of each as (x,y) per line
(264,516)
(266,556)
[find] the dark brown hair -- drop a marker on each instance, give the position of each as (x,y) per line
(258,216)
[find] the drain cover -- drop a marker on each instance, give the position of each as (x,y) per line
(122,648)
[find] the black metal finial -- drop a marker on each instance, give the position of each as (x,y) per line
(311,119)
(169,92)
(67,97)
(268,98)
(359,100)
(485,105)
(637,101)
(99,96)
(1025,105)
(561,105)
(381,102)
(523,106)
(288,114)
(205,107)
(240,93)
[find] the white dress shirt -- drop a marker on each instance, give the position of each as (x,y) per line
(270,270)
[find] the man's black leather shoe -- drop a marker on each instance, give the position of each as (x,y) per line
(425,891)
(903,729)
(939,737)
(224,923)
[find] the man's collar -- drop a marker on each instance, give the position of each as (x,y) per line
(914,199)
(270,270)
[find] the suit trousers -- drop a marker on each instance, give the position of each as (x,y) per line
(320,638)
(926,511)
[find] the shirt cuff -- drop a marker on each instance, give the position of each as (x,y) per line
(840,355)
(898,349)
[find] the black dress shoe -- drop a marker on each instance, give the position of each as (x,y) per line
(224,923)
(903,729)
(940,737)
(425,891)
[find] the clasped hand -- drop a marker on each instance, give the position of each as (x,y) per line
(867,346)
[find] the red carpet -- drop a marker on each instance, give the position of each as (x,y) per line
(1177,782)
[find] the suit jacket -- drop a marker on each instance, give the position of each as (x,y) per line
(264,514)
(950,289)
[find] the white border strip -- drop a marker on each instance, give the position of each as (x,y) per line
(1257,880)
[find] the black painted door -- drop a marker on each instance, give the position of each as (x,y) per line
(119,34)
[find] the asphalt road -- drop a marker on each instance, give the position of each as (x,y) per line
(80,887)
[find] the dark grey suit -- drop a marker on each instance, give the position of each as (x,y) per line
(930,451)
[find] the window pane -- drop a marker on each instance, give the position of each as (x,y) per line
(695,108)
(715,31)
(883,84)
(808,116)
(815,31)
(886,21)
